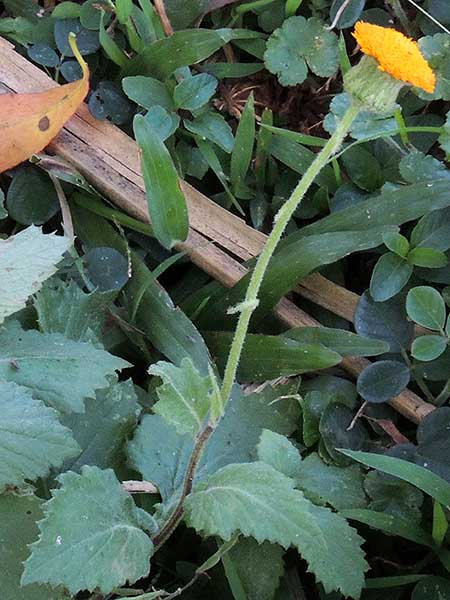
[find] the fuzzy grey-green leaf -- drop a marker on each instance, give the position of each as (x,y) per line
(183,396)
(27,259)
(262,503)
(59,371)
(91,537)
(31,438)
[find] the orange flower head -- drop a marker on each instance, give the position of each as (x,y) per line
(396,54)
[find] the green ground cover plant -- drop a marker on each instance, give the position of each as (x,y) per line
(162,436)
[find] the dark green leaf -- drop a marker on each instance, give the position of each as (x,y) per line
(268,357)
(111,48)
(436,49)
(243,146)
(321,392)
(349,15)
(71,70)
(258,568)
(426,481)
(163,123)
(28,259)
(184,398)
(433,451)
(390,525)
(343,342)
(87,41)
(43,55)
(32,439)
(182,14)
(181,49)
(366,125)
(66,10)
(91,13)
(63,307)
(433,231)
(383,380)
(222,70)
(31,197)
(280,453)
(108,102)
(298,158)
(107,269)
(340,487)
(390,275)
(363,168)
(417,166)
(336,433)
(102,430)
(260,502)
(384,321)
(392,207)
(432,588)
(393,496)
(289,265)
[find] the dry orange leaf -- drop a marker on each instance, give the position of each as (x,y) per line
(30,121)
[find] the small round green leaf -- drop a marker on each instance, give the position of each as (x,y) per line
(336,433)
(91,14)
(390,275)
(87,41)
(31,198)
(426,307)
(108,102)
(107,268)
(43,55)
(66,10)
(383,380)
(428,347)
(71,70)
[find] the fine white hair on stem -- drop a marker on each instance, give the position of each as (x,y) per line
(339,14)
(427,14)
